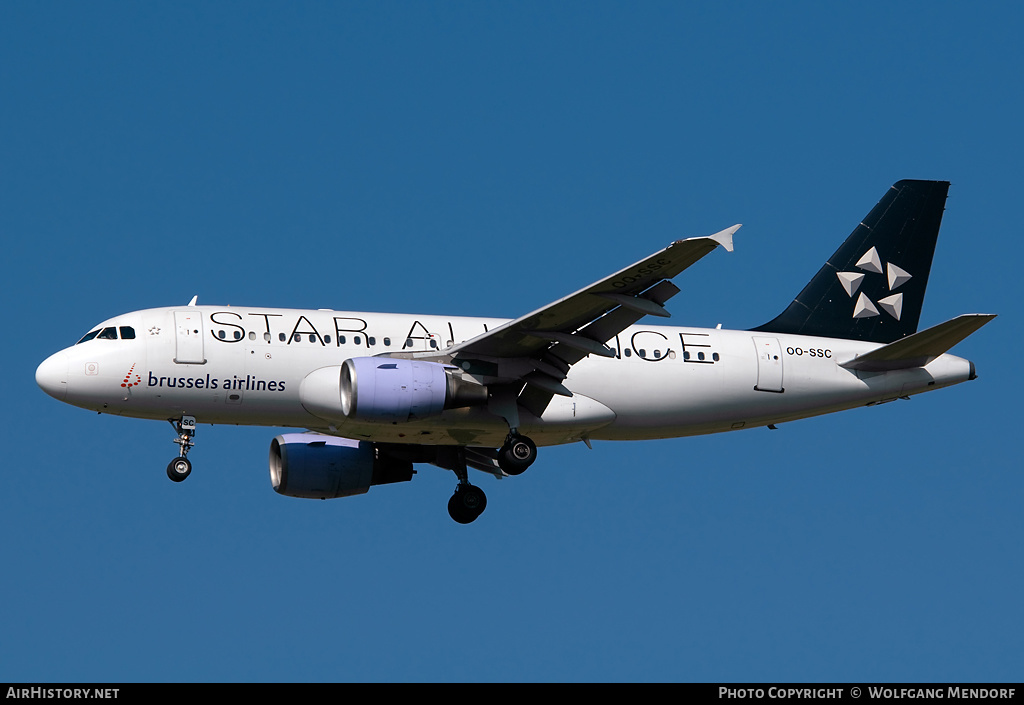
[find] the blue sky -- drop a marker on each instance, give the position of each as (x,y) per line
(483,159)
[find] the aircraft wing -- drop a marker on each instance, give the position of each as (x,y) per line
(639,288)
(548,341)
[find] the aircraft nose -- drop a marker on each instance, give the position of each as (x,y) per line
(52,375)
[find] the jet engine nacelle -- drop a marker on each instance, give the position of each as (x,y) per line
(312,466)
(384,389)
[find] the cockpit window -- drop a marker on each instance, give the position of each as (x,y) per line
(108,333)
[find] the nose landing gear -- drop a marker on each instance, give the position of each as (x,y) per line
(180,468)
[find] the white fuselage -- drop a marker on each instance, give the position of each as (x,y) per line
(247,365)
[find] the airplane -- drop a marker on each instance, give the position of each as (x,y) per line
(376,393)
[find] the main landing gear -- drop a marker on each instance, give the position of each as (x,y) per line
(517,454)
(469,501)
(180,468)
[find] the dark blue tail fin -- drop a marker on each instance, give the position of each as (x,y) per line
(872,288)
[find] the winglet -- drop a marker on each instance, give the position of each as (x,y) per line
(193,301)
(724,237)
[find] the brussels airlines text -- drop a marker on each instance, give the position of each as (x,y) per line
(248,383)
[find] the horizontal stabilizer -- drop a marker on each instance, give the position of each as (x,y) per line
(919,349)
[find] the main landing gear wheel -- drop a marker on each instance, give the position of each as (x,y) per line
(468,502)
(178,469)
(517,454)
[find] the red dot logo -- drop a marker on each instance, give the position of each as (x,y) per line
(128,379)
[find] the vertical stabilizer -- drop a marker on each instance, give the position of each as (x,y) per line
(873,287)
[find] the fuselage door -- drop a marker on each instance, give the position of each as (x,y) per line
(769,365)
(188,333)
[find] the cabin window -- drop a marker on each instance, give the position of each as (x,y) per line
(282,337)
(628,352)
(700,356)
(341,340)
(387,342)
(714,356)
(252,335)
(371,340)
(327,339)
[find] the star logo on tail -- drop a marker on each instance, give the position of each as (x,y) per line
(871,263)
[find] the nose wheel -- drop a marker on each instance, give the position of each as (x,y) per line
(180,468)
